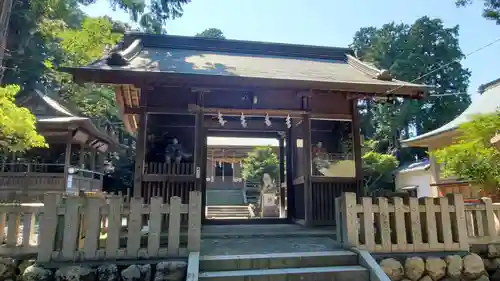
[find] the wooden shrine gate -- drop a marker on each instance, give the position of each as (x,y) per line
(185,80)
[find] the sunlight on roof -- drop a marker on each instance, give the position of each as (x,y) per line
(222,141)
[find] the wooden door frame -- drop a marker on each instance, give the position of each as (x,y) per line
(236,133)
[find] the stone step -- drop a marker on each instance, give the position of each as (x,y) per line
(277,260)
(344,273)
(235,207)
(228,212)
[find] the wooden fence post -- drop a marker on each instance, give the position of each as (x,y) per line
(92,218)
(174,226)
(489,222)
(350,232)
(134,227)
(114,226)
(194,221)
(48,226)
(461,227)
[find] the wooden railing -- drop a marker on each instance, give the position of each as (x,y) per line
(92,227)
(173,169)
(415,225)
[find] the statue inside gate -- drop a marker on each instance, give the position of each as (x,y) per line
(175,151)
(269,197)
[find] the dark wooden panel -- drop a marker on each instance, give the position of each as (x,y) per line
(171,97)
(276,99)
(297,193)
(228,99)
(323,198)
(331,103)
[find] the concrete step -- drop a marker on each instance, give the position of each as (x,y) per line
(232,211)
(277,260)
(344,273)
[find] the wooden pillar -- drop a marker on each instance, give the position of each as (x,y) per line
(306,120)
(67,163)
(282,176)
(210,171)
(140,150)
(290,147)
(5,9)
(81,157)
(356,141)
(236,170)
(100,162)
(92,160)
(199,162)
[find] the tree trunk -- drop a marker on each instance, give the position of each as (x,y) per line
(5,9)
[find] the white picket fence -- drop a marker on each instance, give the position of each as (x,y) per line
(415,225)
(90,228)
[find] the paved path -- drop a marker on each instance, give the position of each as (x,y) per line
(241,246)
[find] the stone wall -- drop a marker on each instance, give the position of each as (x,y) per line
(470,267)
(12,270)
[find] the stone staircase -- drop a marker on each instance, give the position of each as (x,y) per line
(327,265)
(221,197)
(227,212)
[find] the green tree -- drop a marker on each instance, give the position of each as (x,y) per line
(260,161)
(473,157)
(81,47)
(378,168)
(17,124)
(491,9)
(214,33)
(152,15)
(409,52)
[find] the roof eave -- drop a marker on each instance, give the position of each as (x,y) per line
(429,139)
(108,76)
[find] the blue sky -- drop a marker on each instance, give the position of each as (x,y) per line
(332,23)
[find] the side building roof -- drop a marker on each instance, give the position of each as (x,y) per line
(51,115)
(487,102)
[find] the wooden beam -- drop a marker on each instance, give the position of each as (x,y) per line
(248,112)
(155,110)
(277,125)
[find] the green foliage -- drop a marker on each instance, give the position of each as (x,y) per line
(409,51)
(46,35)
(473,157)
(258,162)
(17,124)
(214,33)
(491,9)
(378,168)
(82,46)
(152,16)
